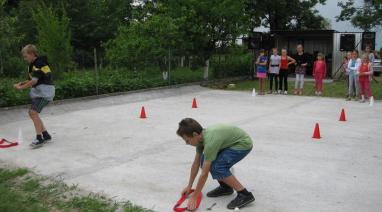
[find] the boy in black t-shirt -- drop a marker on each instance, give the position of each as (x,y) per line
(42,90)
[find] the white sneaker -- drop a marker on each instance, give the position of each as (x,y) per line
(279,92)
(371,101)
(285,92)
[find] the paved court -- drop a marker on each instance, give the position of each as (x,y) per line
(102,146)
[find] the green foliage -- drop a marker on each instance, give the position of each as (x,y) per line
(10,61)
(53,36)
(149,40)
(285,14)
(236,63)
(365,17)
(84,83)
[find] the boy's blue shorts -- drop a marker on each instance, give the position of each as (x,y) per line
(224,161)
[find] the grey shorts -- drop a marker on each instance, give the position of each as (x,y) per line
(38,104)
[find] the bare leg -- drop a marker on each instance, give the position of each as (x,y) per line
(39,126)
(233,183)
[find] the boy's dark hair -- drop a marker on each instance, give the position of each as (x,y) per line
(188,126)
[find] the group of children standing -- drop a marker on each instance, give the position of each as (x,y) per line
(278,71)
(359,72)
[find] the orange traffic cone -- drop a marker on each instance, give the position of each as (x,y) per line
(143,113)
(316,133)
(194,104)
(343,117)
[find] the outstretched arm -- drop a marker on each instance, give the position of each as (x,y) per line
(193,174)
(25,84)
(202,180)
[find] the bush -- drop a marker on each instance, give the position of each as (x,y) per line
(236,63)
(84,83)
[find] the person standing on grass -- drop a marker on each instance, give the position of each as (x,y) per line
(42,90)
(365,73)
(301,65)
(274,69)
(353,67)
(369,54)
(285,61)
(261,74)
(345,64)
(218,148)
(319,73)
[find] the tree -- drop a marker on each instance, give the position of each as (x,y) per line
(142,41)
(10,60)
(365,17)
(207,25)
(94,22)
(285,14)
(54,36)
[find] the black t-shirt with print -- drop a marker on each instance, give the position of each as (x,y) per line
(39,69)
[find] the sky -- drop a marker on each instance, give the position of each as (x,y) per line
(330,10)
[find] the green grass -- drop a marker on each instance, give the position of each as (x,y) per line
(335,89)
(21,190)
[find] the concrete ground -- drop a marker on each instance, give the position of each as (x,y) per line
(103,146)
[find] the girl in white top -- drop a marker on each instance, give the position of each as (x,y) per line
(274,69)
(352,70)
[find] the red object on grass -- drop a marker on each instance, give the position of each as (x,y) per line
(6,144)
(316,133)
(143,113)
(343,117)
(194,104)
(183,198)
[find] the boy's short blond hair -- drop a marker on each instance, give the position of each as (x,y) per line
(30,49)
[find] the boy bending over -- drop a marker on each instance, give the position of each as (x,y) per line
(218,148)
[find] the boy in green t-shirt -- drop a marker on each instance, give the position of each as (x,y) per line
(218,148)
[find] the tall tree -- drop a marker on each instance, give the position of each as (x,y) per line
(53,36)
(10,60)
(285,14)
(365,16)
(94,22)
(208,24)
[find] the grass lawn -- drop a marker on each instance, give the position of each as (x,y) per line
(24,191)
(335,89)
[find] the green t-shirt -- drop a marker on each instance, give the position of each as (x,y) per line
(222,136)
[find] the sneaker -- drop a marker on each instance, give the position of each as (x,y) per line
(279,92)
(275,92)
(348,98)
(241,200)
(269,92)
(371,101)
(37,143)
(285,92)
(47,137)
(220,191)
